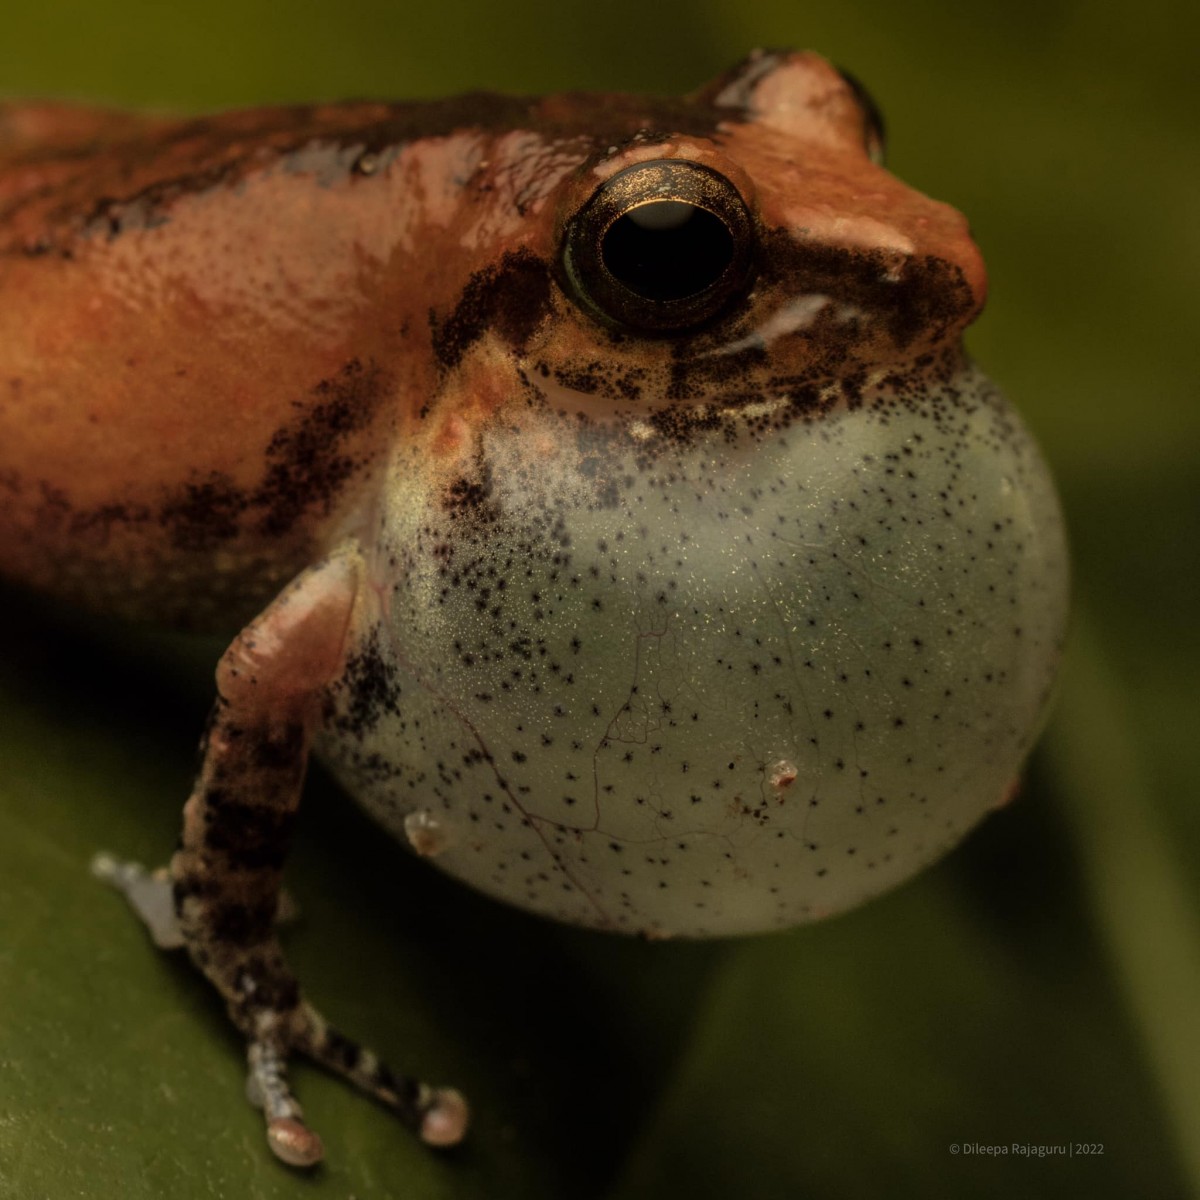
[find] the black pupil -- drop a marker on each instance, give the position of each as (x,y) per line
(667,249)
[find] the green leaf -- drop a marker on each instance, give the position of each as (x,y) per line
(968,1010)
(1135,879)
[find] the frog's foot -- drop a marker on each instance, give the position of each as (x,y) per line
(438,1115)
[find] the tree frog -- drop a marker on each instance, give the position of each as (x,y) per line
(598,483)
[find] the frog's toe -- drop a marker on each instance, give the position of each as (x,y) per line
(149,894)
(446,1118)
(292,1142)
(289,1137)
(438,1115)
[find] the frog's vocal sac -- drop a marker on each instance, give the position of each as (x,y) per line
(599,485)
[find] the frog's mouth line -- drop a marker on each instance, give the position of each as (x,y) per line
(727,414)
(641,422)
(736,386)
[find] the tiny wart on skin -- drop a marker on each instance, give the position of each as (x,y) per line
(598,483)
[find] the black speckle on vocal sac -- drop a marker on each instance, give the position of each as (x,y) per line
(370,688)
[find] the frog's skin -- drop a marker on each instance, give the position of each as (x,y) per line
(701,631)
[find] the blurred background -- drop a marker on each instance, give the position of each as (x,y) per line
(1041,987)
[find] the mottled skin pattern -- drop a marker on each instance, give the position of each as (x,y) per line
(704,632)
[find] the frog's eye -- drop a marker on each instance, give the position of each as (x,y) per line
(660,247)
(874,133)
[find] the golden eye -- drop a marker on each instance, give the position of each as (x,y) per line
(660,247)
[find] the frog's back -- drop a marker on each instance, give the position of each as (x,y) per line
(36,133)
(193,394)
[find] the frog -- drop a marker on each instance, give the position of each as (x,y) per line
(598,484)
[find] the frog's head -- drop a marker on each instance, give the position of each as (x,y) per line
(725,592)
(673,260)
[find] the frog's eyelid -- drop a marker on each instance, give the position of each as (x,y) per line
(875,128)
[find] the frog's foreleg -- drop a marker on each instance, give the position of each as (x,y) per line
(272,690)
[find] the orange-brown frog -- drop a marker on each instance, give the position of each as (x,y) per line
(598,483)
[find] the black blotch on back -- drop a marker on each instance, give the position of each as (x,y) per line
(201,513)
(306,467)
(511,298)
(307,463)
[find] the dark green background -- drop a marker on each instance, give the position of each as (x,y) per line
(1042,985)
